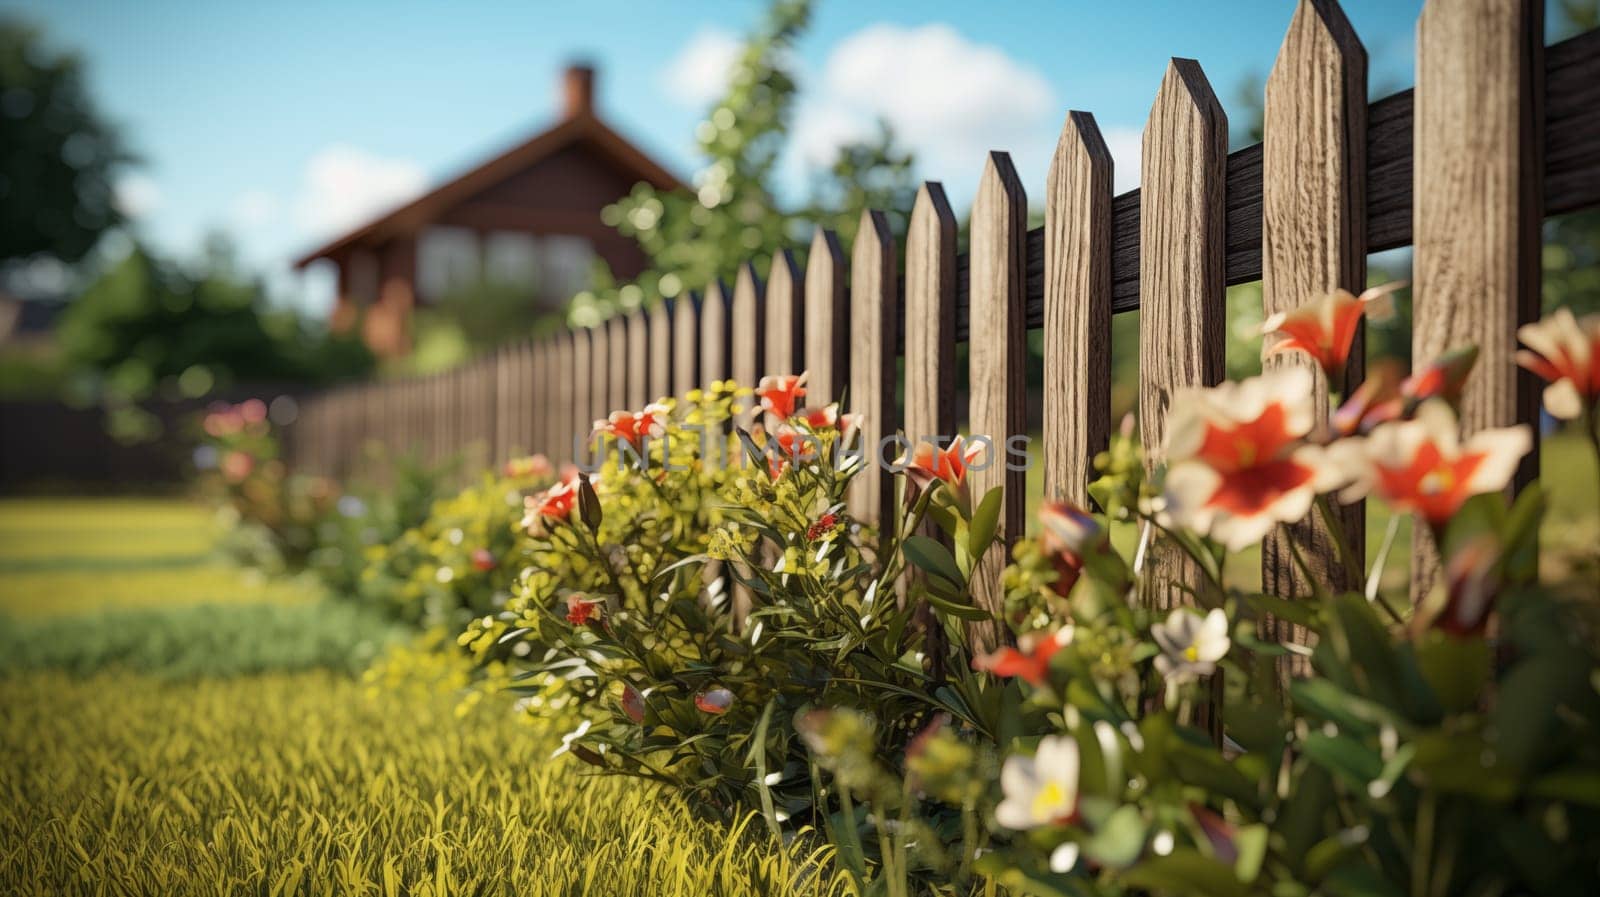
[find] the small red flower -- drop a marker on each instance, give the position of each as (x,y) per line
(1376,400)
(1326,327)
(822,527)
(551,505)
(780,393)
(1030,660)
(634,427)
(1564,351)
(715,701)
(791,447)
(927,464)
(483,560)
(1444,378)
(581,610)
(236,466)
(1069,534)
(1422,465)
(1472,580)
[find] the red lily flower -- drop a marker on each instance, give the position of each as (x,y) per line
(1443,378)
(1030,660)
(1422,466)
(483,560)
(780,393)
(1564,351)
(1237,460)
(1069,534)
(581,610)
(1326,327)
(927,464)
(1376,400)
(551,505)
(634,427)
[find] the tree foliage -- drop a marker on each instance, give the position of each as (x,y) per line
(58,156)
(733,213)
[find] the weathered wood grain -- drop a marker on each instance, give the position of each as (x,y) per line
(617,364)
(564,388)
(1182,307)
(930,318)
(1478,204)
(1077,309)
(580,420)
(637,393)
(874,318)
(785,316)
(827,330)
(997,354)
(716,334)
(1314,242)
(747,341)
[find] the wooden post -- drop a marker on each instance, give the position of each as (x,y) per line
(1314,241)
(565,400)
(1182,306)
(997,351)
(582,418)
(617,364)
(785,317)
(1478,197)
(659,384)
(1077,309)
(714,348)
(533,396)
(827,316)
(874,324)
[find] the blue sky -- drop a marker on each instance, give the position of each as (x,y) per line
(283,122)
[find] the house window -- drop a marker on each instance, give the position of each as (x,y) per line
(449,259)
(567,263)
(511,259)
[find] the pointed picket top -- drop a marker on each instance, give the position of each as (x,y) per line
(997,348)
(745,316)
(785,316)
(659,326)
(638,360)
(874,323)
(827,329)
(930,316)
(1077,308)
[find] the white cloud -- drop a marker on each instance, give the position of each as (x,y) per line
(1126,147)
(253,209)
(136,195)
(343,186)
(698,75)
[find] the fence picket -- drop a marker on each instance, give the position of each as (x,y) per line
(563,388)
(930,319)
(745,346)
(874,323)
(715,335)
(659,383)
(1478,196)
(685,344)
(1313,241)
(1182,306)
(1077,309)
(785,316)
(827,315)
(617,361)
(581,418)
(997,348)
(636,363)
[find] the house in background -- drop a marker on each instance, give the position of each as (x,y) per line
(528,216)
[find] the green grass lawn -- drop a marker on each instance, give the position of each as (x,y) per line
(170,732)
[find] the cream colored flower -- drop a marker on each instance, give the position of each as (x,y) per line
(1190,644)
(1040,790)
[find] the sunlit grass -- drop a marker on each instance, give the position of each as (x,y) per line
(309,783)
(51,532)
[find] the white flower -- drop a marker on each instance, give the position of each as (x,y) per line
(1190,644)
(1042,789)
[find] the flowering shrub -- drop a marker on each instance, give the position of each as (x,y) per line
(696,593)
(464,559)
(1445,747)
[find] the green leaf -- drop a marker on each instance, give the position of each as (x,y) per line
(956,609)
(1457,669)
(985,522)
(589,504)
(927,554)
(1120,840)
(1185,871)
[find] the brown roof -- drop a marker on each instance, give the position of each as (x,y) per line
(583,127)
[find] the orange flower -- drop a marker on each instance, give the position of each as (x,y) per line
(780,393)
(483,560)
(822,527)
(581,610)
(1443,378)
(1237,460)
(1376,400)
(236,466)
(927,464)
(1325,327)
(1069,534)
(1564,351)
(634,427)
(792,447)
(1030,660)
(553,504)
(1422,466)
(715,701)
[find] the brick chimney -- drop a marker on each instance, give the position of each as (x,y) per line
(577,90)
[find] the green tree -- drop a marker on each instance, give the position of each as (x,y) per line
(692,237)
(58,156)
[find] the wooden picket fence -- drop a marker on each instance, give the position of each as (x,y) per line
(1499,132)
